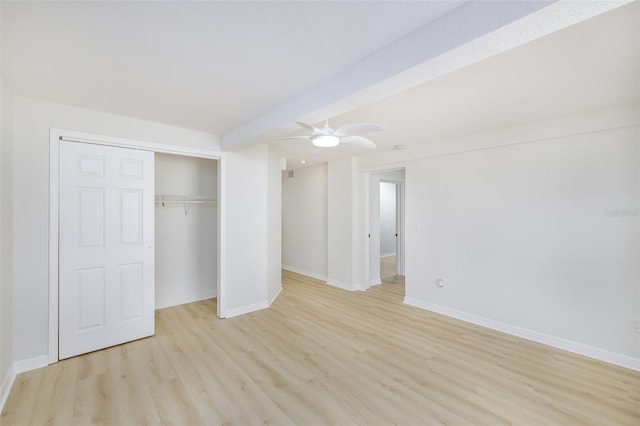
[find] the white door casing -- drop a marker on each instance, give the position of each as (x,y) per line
(106,246)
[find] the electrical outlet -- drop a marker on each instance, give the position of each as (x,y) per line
(634,325)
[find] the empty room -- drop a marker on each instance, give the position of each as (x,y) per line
(319,212)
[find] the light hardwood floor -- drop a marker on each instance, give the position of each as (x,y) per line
(319,356)
(387,267)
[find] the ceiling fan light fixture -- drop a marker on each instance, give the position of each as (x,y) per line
(325,141)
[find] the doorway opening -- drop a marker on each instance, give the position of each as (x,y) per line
(185,229)
(204,166)
(386,226)
(388,230)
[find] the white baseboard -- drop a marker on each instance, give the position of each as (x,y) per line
(274,296)
(375,281)
(246,309)
(388,254)
(7,384)
(187,298)
(305,273)
(340,284)
(334,283)
(546,339)
(31,364)
(17,368)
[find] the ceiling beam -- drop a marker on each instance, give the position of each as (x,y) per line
(470,33)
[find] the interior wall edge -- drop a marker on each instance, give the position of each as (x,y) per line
(6,228)
(7,384)
(16,368)
(274,295)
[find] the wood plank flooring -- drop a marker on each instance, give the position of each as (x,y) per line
(388,267)
(320,356)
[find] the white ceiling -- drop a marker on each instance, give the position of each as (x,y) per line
(215,66)
(208,66)
(588,66)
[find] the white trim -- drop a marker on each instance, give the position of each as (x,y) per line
(54,189)
(246,309)
(7,384)
(189,298)
(341,285)
(30,364)
(55,135)
(387,254)
(367,209)
(546,339)
(73,136)
(306,273)
(375,281)
(222,215)
(17,368)
(400,246)
(274,296)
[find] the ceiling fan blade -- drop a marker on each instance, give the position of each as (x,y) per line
(358,141)
(309,127)
(308,138)
(356,129)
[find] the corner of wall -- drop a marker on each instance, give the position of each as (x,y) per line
(5,387)
(17,368)
(274,226)
(6,240)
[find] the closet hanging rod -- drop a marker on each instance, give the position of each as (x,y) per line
(185,200)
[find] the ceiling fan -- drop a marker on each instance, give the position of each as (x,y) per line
(326,137)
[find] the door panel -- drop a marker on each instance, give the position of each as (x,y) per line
(131,216)
(131,287)
(91,217)
(106,263)
(90,298)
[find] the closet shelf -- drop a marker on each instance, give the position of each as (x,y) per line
(186,201)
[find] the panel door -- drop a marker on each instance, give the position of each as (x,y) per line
(106,252)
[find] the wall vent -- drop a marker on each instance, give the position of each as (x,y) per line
(290,173)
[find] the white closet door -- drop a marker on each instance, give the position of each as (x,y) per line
(106,256)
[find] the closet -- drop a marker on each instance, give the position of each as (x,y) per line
(186,238)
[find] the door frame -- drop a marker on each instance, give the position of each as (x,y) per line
(55,136)
(400,228)
(399,223)
(398,231)
(369,205)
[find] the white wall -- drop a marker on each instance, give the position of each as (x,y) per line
(534,230)
(387,219)
(274,226)
(32,120)
(6,240)
(521,235)
(247,243)
(185,244)
(304,221)
(340,224)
